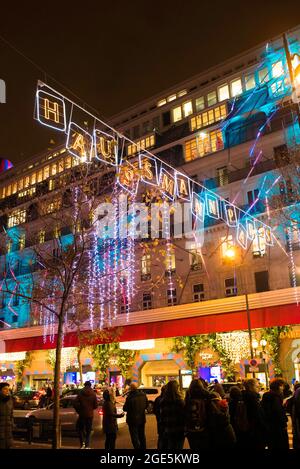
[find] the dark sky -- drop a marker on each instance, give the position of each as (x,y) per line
(114,55)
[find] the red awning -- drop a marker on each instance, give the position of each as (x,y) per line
(262,317)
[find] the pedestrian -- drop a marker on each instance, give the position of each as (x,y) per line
(85,404)
(217,387)
(238,415)
(196,418)
(6,417)
(276,418)
(172,417)
(135,405)
(295,414)
(110,415)
(255,436)
(156,411)
(48,395)
(222,435)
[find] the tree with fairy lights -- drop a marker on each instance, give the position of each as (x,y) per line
(70,271)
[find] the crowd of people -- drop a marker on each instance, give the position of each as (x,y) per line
(206,418)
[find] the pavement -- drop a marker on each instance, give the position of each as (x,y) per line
(123,439)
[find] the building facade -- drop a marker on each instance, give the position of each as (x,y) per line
(234,129)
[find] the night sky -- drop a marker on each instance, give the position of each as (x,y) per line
(113,56)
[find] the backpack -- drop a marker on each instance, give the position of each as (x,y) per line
(241,422)
(196,415)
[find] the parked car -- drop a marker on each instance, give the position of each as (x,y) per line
(68,415)
(26,399)
(226,387)
(151,392)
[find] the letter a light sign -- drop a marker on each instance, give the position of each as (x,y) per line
(89,137)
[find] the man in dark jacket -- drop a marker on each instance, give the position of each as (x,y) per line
(6,417)
(272,403)
(85,404)
(135,406)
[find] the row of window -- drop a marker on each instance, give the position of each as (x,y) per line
(23,185)
(225,91)
(208,117)
(142,144)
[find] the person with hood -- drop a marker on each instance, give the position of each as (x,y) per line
(272,404)
(156,411)
(172,417)
(85,404)
(135,405)
(6,417)
(110,415)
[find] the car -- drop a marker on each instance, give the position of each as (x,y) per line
(26,399)
(68,414)
(226,387)
(151,392)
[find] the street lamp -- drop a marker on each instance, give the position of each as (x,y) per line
(230,255)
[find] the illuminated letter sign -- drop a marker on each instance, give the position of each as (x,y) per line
(183,188)
(106,147)
(198,206)
(128,178)
(230,212)
(251,229)
(212,206)
(148,167)
(51,110)
(79,142)
(167,183)
(268,236)
(242,236)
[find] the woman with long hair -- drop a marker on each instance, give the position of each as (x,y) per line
(172,417)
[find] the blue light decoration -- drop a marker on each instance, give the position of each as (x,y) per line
(212,205)
(242,235)
(5,165)
(198,206)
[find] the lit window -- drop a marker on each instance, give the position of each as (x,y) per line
(56,232)
(146,267)
(177,114)
(26,181)
(14,187)
(263,75)
(68,162)
(22,241)
(53,169)
(230,287)
(250,82)
(170,263)
(41,236)
(20,184)
(211,98)
(33,178)
(162,102)
(236,87)
(200,104)
(216,140)
(171,98)
(277,69)
(187,108)
(16,218)
(223,92)
(46,172)
(182,93)
(40,175)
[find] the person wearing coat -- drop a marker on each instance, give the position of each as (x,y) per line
(272,404)
(6,417)
(172,417)
(85,404)
(110,415)
(135,406)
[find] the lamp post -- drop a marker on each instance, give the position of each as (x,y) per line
(230,254)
